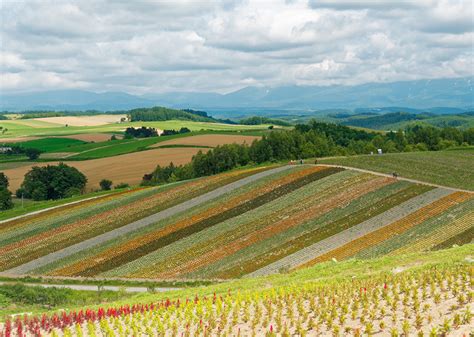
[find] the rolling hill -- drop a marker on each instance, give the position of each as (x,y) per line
(400,120)
(242,223)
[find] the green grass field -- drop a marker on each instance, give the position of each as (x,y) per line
(449,168)
(52,144)
(40,128)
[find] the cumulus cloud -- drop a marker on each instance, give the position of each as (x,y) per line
(197,45)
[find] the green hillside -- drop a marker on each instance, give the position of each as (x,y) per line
(402,120)
(449,168)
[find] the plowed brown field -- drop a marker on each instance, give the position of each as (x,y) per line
(127,168)
(209,140)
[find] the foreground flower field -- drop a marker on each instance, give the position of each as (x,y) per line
(434,298)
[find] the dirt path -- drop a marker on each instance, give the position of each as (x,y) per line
(399,178)
(88,287)
(47,259)
(379,221)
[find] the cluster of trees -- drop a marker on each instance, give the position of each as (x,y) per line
(376,121)
(164,114)
(2,117)
(175,132)
(5,194)
(52,182)
(142,132)
(31,153)
(145,132)
(258,120)
(310,140)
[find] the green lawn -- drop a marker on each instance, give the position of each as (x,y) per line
(450,168)
(51,144)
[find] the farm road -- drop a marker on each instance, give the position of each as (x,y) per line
(399,177)
(52,257)
(88,287)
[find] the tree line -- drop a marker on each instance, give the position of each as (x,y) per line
(163,114)
(259,120)
(311,140)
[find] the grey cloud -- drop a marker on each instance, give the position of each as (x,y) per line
(357,5)
(152,46)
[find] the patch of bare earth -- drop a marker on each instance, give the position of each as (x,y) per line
(127,168)
(209,140)
(83,120)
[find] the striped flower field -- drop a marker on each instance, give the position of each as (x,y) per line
(247,222)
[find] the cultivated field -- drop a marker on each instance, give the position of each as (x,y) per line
(243,223)
(83,120)
(211,140)
(449,168)
(128,168)
(45,127)
(92,137)
(426,294)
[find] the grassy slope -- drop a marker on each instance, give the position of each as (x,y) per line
(51,144)
(321,274)
(449,168)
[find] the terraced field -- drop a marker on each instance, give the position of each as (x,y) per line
(247,222)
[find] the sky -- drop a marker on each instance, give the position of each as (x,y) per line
(160,46)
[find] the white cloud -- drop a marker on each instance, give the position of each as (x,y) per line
(191,45)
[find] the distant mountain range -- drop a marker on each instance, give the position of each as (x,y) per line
(437,96)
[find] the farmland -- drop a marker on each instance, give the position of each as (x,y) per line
(138,163)
(399,296)
(449,168)
(43,128)
(95,159)
(286,218)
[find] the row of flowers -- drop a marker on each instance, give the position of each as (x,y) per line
(125,212)
(142,245)
(435,301)
(395,228)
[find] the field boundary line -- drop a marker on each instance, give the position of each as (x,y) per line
(399,177)
(131,227)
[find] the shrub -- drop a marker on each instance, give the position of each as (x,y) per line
(32,153)
(105,185)
(3,180)
(5,199)
(121,185)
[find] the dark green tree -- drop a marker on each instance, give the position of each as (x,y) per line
(51,182)
(32,153)
(5,199)
(3,180)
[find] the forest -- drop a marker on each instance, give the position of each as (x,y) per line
(312,140)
